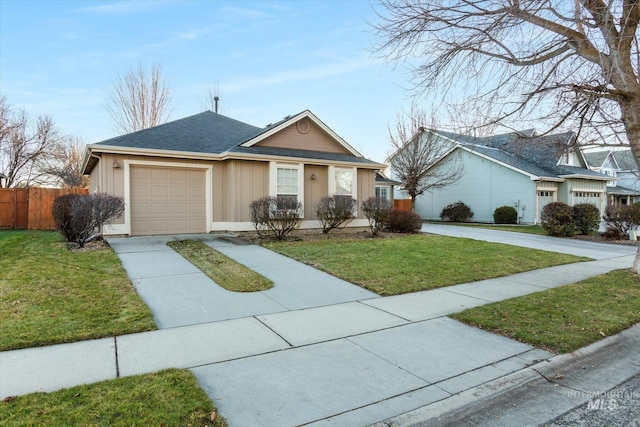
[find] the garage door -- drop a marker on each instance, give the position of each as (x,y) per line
(587,197)
(167,200)
(544,198)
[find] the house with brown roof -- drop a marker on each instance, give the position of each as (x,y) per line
(200,173)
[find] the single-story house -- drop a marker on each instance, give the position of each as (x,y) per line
(619,164)
(518,169)
(200,173)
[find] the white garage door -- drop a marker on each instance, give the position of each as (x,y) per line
(167,200)
(587,197)
(544,198)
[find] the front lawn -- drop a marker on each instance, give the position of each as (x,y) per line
(567,318)
(413,263)
(166,398)
(50,295)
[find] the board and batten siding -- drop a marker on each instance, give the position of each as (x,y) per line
(366,187)
(314,138)
(484,186)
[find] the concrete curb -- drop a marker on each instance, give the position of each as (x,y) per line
(539,393)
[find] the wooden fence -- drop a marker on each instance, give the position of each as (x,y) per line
(402,204)
(30,207)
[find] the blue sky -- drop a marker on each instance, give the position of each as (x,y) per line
(268,59)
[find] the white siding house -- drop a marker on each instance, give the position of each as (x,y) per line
(619,164)
(516,169)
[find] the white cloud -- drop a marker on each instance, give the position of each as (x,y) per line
(316,72)
(125,7)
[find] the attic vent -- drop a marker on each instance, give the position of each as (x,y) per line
(303,126)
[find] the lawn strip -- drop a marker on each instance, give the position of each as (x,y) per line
(567,318)
(417,262)
(226,272)
(51,295)
(170,397)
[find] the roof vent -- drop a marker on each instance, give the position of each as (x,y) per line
(286,117)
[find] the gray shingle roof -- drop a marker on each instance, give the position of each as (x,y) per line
(206,132)
(595,159)
(622,191)
(213,133)
(537,155)
(625,160)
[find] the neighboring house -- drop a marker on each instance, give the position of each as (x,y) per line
(200,173)
(621,165)
(517,169)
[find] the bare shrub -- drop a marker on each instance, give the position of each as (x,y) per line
(275,217)
(79,217)
(336,212)
(620,219)
(401,221)
(377,212)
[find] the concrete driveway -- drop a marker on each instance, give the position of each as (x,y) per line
(179,294)
(576,247)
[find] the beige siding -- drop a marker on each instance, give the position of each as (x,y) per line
(366,186)
(316,139)
(314,189)
(247,181)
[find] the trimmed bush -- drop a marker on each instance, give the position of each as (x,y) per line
(336,212)
(275,217)
(401,221)
(620,219)
(505,215)
(79,217)
(557,219)
(587,218)
(377,212)
(456,212)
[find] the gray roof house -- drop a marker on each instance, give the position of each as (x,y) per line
(519,169)
(619,164)
(200,173)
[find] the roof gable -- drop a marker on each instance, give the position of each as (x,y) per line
(304,134)
(293,120)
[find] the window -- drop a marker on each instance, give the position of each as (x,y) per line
(586,194)
(382,192)
(286,182)
(287,185)
(343,182)
(544,193)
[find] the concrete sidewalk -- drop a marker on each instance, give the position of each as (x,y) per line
(357,361)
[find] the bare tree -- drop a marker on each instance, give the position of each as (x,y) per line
(64,167)
(571,64)
(23,145)
(416,152)
(139,99)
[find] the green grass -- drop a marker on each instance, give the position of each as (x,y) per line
(417,262)
(166,398)
(50,295)
(567,318)
(221,269)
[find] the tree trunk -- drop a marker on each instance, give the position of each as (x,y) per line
(631,121)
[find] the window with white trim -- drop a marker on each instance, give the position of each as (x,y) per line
(286,182)
(287,185)
(382,192)
(343,182)
(586,194)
